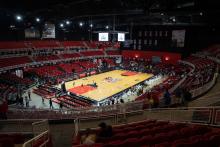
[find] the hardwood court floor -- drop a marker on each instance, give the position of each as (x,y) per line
(106,87)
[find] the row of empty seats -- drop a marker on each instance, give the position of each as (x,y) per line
(47,71)
(13,61)
(11,139)
(71,102)
(203,73)
(157,134)
(46,58)
(52,44)
(5,62)
(12,78)
(92,53)
(44,91)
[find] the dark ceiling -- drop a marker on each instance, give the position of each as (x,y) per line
(122,12)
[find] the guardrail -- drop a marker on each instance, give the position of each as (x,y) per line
(39,129)
(200,115)
(72,113)
(204,88)
(40,141)
(189,64)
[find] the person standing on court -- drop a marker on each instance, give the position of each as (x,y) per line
(29,95)
(42,100)
(26,101)
(51,104)
(61,105)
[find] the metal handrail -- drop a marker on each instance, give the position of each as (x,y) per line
(30,142)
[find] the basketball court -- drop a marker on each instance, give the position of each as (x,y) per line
(108,84)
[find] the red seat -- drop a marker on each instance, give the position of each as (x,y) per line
(117,143)
(131,142)
(164,144)
(214,141)
(178,142)
(132,134)
(120,136)
(97,145)
(144,140)
(6,142)
(162,137)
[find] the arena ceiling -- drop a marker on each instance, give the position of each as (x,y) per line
(123,12)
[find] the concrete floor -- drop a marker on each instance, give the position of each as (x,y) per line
(36,101)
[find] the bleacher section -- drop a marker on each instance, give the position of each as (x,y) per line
(13,79)
(157,134)
(91,45)
(35,45)
(5,62)
(11,139)
(111,52)
(72,55)
(70,67)
(204,71)
(13,45)
(88,64)
(44,91)
(45,44)
(47,71)
(73,44)
(46,58)
(92,53)
(71,102)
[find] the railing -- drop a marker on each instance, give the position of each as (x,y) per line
(72,113)
(41,140)
(201,115)
(177,85)
(189,64)
(214,59)
(38,128)
(204,88)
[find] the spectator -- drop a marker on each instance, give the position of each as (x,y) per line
(42,100)
(51,103)
(61,105)
(156,102)
(187,96)
(123,109)
(88,138)
(151,102)
(21,101)
(29,95)
(17,99)
(105,131)
(26,101)
(167,98)
(3,109)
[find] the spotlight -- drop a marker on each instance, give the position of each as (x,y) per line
(80,24)
(67,22)
(174,19)
(200,13)
(91,25)
(162,14)
(37,19)
(61,25)
(18,17)
(107,27)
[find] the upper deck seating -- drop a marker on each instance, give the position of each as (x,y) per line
(4,62)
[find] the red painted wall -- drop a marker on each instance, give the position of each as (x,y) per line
(166,57)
